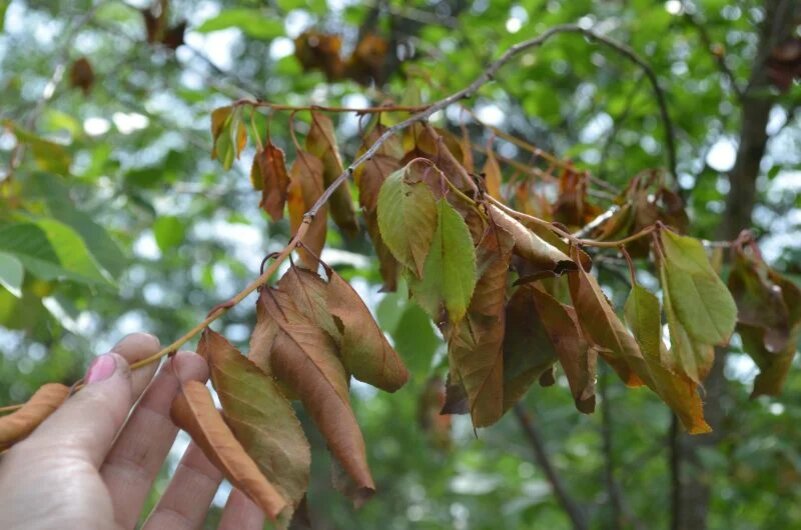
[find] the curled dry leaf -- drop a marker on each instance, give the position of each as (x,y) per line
(321,142)
(578,360)
(20,423)
(546,259)
(260,417)
(82,75)
(365,351)
(305,187)
(304,357)
(602,327)
(269,172)
(369,178)
(193,411)
(475,343)
(492,174)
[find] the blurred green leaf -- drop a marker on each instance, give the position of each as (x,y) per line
(254,23)
(169,231)
(11,273)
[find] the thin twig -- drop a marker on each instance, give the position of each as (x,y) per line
(573,510)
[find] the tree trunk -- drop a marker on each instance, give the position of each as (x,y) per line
(691,502)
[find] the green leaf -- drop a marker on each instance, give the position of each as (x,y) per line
(52,189)
(254,23)
(690,357)
(260,417)
(449,272)
(169,231)
(50,250)
(11,273)
(407,219)
(48,155)
(701,301)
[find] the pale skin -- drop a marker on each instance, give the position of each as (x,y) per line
(92,463)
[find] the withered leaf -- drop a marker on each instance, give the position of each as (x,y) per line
(365,352)
(369,178)
(82,75)
(304,357)
(305,187)
(577,359)
(260,417)
(602,327)
(321,142)
(527,349)
(546,259)
(475,342)
(193,411)
(269,169)
(20,423)
(492,174)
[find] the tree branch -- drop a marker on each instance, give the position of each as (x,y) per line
(573,510)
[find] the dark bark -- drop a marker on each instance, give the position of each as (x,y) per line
(571,508)
(692,487)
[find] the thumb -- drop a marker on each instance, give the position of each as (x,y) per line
(88,422)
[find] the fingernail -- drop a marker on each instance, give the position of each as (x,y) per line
(101,369)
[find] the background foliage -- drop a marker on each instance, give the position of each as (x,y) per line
(150,233)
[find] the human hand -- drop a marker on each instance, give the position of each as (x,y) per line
(86,467)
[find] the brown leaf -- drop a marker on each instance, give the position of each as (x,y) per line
(321,142)
(527,350)
(365,351)
(20,423)
(367,61)
(260,417)
(475,343)
(269,168)
(81,75)
(304,357)
(602,327)
(759,301)
(305,187)
(544,258)
(578,360)
(317,50)
(492,174)
(456,401)
(571,207)
(369,177)
(193,411)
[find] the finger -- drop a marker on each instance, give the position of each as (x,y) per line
(186,501)
(85,425)
(241,513)
(140,449)
(135,347)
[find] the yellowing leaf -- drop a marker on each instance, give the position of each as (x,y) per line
(407,217)
(270,171)
(305,187)
(475,342)
(193,411)
(677,390)
(322,143)
(700,299)
(260,417)
(365,351)
(304,357)
(20,423)
(449,272)
(602,327)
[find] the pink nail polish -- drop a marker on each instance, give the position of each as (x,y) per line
(100,369)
